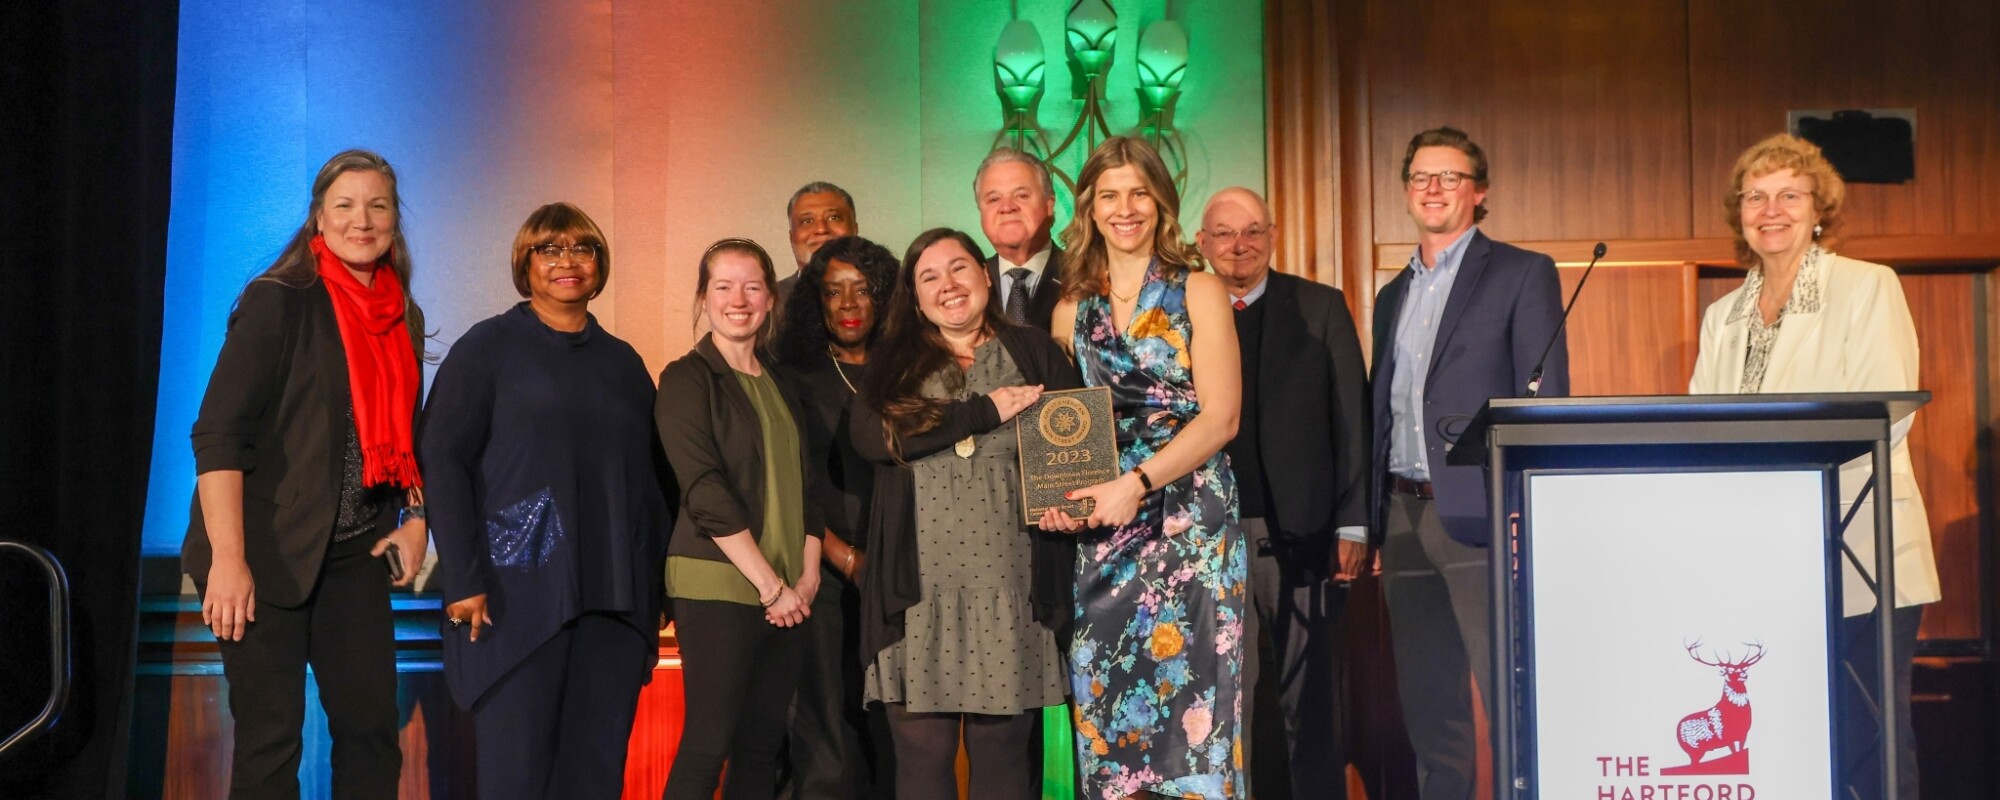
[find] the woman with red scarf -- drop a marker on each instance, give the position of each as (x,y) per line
(306,464)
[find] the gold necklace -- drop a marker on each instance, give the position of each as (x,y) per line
(842,370)
(1124,298)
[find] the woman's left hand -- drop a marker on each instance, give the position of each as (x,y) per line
(1116,500)
(411,539)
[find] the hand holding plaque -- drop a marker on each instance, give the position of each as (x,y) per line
(1067,442)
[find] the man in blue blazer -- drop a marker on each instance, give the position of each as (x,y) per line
(1464,323)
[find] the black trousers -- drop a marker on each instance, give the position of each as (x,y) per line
(1296,605)
(1857,726)
(559,723)
(836,750)
(1437,592)
(740,674)
(345,631)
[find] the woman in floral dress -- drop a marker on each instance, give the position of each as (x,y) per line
(1156,662)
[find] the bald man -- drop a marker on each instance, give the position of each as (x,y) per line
(1301,461)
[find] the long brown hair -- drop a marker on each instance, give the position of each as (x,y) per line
(912,349)
(1086,265)
(297,266)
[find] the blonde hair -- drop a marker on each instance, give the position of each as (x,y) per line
(1784,151)
(1087,266)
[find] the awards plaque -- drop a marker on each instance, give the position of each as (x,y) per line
(1067,442)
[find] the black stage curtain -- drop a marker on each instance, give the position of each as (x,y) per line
(86,130)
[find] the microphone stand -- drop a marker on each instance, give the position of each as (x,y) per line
(1535,378)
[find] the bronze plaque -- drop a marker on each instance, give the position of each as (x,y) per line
(1068,442)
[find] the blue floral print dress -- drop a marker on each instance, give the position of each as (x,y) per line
(1157,661)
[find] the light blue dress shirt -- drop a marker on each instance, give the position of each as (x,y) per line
(1416,335)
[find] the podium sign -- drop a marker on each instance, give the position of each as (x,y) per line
(1679,644)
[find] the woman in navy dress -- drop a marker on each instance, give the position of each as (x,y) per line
(1156,663)
(550,523)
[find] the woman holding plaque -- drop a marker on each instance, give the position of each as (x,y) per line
(1156,664)
(961,600)
(1807,320)
(741,564)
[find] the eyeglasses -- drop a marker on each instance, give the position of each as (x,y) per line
(1789,198)
(578,253)
(1446,180)
(1226,236)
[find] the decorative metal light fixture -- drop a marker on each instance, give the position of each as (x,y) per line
(1090,34)
(1019,66)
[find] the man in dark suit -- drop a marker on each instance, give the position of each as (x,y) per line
(1301,462)
(819,212)
(1463,324)
(1017,208)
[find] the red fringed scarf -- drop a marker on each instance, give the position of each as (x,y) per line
(381,367)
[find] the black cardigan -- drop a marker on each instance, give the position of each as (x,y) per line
(714,441)
(890,584)
(276,409)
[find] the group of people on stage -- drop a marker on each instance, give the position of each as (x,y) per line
(823,495)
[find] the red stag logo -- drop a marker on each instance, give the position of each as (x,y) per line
(1727,723)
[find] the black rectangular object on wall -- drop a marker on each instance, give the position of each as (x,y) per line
(1864,147)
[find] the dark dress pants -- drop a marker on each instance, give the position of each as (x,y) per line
(558,724)
(1858,727)
(345,631)
(740,673)
(1437,592)
(1297,606)
(833,753)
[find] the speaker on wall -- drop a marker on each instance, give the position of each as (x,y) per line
(1877,146)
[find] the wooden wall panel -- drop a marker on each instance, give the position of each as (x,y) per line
(1634,329)
(1750,62)
(1945,443)
(1580,105)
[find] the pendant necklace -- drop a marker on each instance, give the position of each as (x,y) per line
(842,370)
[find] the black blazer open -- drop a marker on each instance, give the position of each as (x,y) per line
(715,443)
(1048,291)
(1312,410)
(276,409)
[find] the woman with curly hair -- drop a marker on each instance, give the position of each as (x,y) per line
(828,324)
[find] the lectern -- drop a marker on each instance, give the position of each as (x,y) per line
(1666,590)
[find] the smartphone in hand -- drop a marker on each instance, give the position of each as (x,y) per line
(394,555)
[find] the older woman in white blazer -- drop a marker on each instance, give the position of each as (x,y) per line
(1807,320)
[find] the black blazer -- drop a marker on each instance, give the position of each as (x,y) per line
(1312,410)
(1048,291)
(889,580)
(276,409)
(714,441)
(1504,307)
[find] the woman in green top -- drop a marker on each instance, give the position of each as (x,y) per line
(736,564)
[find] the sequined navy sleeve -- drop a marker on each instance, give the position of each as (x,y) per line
(456,421)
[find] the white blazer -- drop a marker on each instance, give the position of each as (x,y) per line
(1860,340)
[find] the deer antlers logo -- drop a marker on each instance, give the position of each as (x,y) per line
(1727,723)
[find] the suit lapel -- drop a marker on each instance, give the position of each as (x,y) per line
(329,359)
(1470,268)
(1281,302)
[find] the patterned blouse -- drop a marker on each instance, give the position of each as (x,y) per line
(1805,299)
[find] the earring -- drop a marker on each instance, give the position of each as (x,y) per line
(1816,231)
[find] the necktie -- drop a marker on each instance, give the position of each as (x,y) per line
(1017,296)
(1239,304)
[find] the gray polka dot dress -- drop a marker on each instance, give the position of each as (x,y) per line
(972,645)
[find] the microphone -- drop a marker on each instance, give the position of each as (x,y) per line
(1535,378)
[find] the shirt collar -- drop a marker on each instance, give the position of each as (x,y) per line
(1036,263)
(1447,259)
(1256,292)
